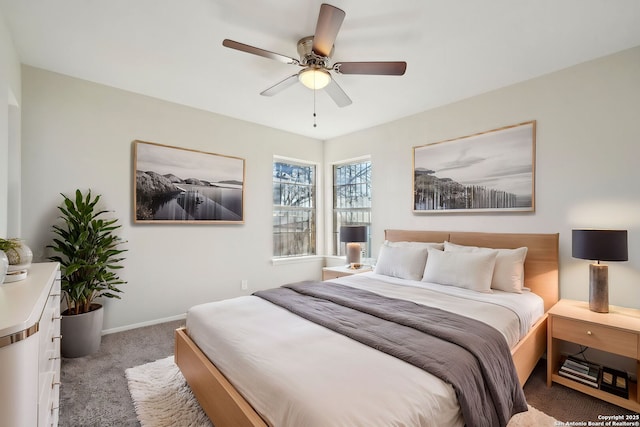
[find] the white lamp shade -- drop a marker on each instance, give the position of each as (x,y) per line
(314,78)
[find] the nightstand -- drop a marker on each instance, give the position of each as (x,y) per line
(616,332)
(329,273)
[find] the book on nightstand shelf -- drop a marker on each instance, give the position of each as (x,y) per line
(581,371)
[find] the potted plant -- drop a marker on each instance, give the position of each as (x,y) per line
(88,252)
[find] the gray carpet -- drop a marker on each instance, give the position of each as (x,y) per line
(94,388)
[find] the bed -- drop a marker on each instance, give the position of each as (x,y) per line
(227,406)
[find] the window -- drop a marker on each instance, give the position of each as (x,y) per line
(351,200)
(294,208)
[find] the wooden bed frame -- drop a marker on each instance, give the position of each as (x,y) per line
(225,406)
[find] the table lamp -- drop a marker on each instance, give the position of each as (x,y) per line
(352,235)
(599,245)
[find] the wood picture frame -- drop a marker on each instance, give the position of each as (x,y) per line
(491,171)
(179,185)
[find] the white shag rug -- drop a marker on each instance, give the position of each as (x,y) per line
(162,398)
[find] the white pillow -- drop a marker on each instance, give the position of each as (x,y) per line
(508,274)
(469,270)
(428,245)
(405,262)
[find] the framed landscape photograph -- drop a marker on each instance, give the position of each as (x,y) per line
(179,185)
(492,171)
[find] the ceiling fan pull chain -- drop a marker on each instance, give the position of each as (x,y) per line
(314,108)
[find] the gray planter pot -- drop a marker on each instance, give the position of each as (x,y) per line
(81,333)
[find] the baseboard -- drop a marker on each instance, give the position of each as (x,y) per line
(143,324)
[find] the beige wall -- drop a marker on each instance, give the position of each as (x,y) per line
(587,170)
(78,134)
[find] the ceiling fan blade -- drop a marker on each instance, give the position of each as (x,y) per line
(377,68)
(337,94)
(329,23)
(280,86)
(260,52)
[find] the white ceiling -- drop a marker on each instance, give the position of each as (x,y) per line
(172,50)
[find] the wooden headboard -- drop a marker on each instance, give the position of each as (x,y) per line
(540,266)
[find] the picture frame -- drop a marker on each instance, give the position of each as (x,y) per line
(175,185)
(492,171)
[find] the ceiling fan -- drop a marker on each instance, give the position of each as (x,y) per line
(315,55)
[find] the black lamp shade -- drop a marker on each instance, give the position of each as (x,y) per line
(599,245)
(353,233)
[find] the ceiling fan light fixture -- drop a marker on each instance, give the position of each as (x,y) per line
(314,78)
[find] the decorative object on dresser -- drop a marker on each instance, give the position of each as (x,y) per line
(599,245)
(352,235)
(30,349)
(617,332)
(4,265)
(88,253)
(19,257)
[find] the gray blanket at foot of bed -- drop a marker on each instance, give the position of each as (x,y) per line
(470,355)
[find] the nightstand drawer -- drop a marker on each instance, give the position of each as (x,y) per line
(329,273)
(597,336)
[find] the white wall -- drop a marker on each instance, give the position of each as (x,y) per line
(10,97)
(587,170)
(78,134)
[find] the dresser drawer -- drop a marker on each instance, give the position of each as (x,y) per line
(30,365)
(596,336)
(48,401)
(49,334)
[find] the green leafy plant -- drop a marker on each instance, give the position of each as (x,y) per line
(88,253)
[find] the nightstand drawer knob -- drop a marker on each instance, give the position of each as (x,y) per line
(589,333)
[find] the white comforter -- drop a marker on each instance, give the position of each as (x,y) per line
(296,373)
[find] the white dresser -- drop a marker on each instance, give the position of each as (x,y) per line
(30,348)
